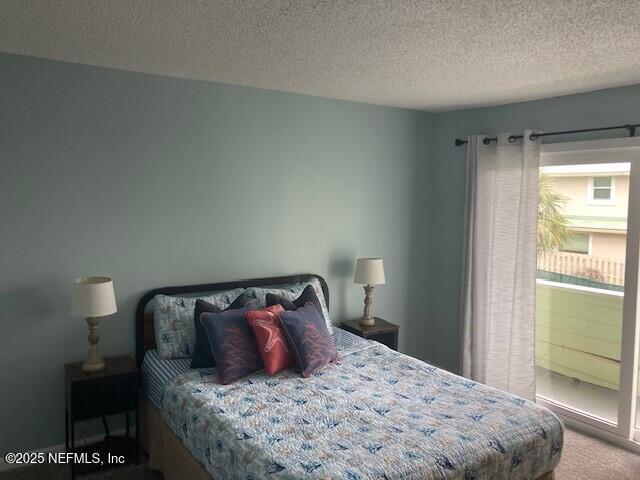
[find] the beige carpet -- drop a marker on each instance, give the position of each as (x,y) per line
(584,457)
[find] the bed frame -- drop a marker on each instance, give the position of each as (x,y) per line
(145,335)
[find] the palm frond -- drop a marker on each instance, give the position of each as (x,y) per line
(553,227)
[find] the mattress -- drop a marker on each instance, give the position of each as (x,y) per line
(157,372)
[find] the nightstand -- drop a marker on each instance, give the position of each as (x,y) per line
(383,331)
(98,394)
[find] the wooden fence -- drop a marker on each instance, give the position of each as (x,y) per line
(605,270)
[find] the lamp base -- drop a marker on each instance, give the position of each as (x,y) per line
(367,322)
(367,319)
(95,364)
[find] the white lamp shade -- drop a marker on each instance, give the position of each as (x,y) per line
(93,297)
(369,271)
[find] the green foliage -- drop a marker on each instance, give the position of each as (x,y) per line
(553,227)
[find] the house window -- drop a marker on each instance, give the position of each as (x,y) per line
(601,190)
(577,243)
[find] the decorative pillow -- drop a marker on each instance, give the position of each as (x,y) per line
(308,338)
(173,321)
(308,295)
(272,344)
(291,292)
(202,354)
(233,343)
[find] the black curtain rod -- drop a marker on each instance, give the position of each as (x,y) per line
(535,136)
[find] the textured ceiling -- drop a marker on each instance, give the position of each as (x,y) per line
(429,54)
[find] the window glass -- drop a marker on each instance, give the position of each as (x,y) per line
(602,188)
(577,243)
(580,294)
(602,182)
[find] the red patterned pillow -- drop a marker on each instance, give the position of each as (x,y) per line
(272,344)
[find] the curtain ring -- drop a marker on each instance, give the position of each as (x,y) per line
(511,139)
(486,141)
(533,137)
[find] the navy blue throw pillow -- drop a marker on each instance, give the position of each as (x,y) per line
(308,295)
(202,354)
(233,343)
(308,339)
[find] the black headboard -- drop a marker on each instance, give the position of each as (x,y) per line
(144,323)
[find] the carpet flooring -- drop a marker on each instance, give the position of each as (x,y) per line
(583,457)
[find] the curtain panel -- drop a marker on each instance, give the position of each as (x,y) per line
(499,262)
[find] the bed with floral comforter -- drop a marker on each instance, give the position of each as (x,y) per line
(376,414)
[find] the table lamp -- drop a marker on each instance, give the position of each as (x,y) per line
(92,298)
(369,272)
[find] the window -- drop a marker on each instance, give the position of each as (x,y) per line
(601,190)
(577,243)
(602,306)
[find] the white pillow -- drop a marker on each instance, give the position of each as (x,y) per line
(174,326)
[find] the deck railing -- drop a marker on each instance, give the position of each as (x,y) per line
(600,269)
(579,331)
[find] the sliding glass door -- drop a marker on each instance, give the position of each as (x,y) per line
(587,286)
(637,427)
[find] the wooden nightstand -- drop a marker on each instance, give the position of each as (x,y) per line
(383,331)
(92,395)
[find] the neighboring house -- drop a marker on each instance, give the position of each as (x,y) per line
(597,201)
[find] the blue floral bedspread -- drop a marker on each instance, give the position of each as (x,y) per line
(376,414)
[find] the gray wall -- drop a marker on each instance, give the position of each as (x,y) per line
(158,181)
(446,188)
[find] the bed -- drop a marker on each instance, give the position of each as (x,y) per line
(375,414)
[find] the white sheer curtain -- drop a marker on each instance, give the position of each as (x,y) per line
(499,277)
